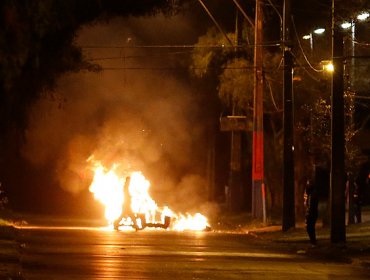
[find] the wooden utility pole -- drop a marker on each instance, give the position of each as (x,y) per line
(258,187)
(235,194)
(337,174)
(288,145)
(236,125)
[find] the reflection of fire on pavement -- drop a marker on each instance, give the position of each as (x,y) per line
(109,188)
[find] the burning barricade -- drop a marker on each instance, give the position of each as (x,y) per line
(128,204)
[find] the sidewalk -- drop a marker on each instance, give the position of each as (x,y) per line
(356,249)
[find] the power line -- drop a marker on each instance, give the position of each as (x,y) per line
(137,56)
(243,13)
(177,67)
(266,44)
(215,22)
(300,46)
(364,44)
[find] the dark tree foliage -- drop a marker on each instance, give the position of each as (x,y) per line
(36,45)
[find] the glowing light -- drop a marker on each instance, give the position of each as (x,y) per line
(319,31)
(307,37)
(107,187)
(139,190)
(327,66)
(188,222)
(346,25)
(363,16)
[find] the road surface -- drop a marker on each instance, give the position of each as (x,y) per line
(95,253)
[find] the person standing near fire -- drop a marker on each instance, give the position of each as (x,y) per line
(126,206)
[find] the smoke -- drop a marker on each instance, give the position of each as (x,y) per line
(129,115)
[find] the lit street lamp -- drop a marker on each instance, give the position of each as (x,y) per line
(337,170)
(351,25)
(318,31)
(363,16)
(327,66)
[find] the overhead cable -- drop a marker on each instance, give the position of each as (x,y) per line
(300,46)
(215,22)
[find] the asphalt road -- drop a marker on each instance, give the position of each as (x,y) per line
(94,253)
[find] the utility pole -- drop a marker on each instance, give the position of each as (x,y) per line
(337,174)
(258,187)
(235,182)
(288,145)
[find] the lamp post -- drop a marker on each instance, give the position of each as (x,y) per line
(351,25)
(288,123)
(337,172)
(317,31)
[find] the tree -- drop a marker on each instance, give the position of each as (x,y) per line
(36,48)
(311,91)
(236,84)
(37,45)
(233,70)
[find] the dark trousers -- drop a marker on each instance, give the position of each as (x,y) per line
(357,212)
(311,219)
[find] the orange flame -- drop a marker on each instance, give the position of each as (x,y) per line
(107,188)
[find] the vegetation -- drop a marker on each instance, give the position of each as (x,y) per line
(37,45)
(312,109)
(36,48)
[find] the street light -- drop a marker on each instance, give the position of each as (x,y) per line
(351,25)
(327,66)
(337,172)
(363,16)
(346,25)
(317,31)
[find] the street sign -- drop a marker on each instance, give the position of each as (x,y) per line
(235,123)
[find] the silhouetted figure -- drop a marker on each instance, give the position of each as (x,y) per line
(357,201)
(312,204)
(350,190)
(361,184)
(126,206)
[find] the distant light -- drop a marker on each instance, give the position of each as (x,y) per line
(346,25)
(297,78)
(363,16)
(327,66)
(319,30)
(306,37)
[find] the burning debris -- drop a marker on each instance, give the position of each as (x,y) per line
(128,203)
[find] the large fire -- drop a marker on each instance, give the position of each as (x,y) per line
(107,187)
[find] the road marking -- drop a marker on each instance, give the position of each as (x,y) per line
(141,252)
